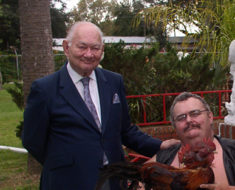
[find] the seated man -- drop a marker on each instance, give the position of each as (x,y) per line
(193,120)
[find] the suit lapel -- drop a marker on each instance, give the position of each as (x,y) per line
(72,96)
(104,95)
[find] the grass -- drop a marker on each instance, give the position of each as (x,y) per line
(13,166)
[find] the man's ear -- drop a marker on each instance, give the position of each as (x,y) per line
(65,47)
(210,115)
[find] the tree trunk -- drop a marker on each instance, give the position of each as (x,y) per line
(36,46)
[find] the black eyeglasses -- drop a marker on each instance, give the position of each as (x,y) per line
(192,114)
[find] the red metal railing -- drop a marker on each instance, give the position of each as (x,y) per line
(137,157)
(164,95)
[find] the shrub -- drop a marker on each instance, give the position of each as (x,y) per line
(147,71)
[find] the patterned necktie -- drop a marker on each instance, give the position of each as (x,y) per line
(88,101)
(91,107)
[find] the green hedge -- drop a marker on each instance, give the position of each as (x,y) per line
(147,71)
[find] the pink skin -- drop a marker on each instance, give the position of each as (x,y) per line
(193,130)
(84,61)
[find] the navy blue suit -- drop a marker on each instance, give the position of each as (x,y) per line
(60,132)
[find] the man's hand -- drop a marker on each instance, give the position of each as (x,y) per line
(168,143)
(217,187)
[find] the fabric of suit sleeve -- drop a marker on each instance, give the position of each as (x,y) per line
(132,136)
(36,123)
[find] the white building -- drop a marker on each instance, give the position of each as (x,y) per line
(134,41)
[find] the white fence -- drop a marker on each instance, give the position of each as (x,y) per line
(14,149)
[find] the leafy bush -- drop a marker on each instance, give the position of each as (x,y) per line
(147,71)
(60,60)
(133,64)
(16,92)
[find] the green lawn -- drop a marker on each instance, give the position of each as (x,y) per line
(13,166)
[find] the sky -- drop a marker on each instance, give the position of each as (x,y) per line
(71,4)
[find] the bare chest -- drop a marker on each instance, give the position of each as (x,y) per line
(218,166)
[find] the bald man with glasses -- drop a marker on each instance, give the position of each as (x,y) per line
(193,120)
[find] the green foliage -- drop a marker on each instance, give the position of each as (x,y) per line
(16,92)
(146,71)
(188,74)
(93,11)
(10,27)
(131,63)
(213,20)
(19,129)
(115,18)
(59,60)
(58,23)
(8,68)
(9,24)
(125,13)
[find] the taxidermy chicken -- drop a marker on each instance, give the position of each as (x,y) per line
(197,162)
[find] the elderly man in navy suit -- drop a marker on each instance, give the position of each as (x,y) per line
(76,120)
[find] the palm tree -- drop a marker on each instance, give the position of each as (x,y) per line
(36,46)
(214,20)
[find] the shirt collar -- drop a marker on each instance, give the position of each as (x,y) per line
(77,77)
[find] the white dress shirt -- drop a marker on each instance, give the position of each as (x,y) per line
(93,87)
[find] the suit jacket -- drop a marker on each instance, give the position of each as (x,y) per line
(60,132)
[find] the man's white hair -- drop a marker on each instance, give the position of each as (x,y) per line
(73,28)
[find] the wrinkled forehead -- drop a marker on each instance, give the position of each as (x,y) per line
(187,105)
(88,34)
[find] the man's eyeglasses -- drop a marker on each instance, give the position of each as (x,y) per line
(192,114)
